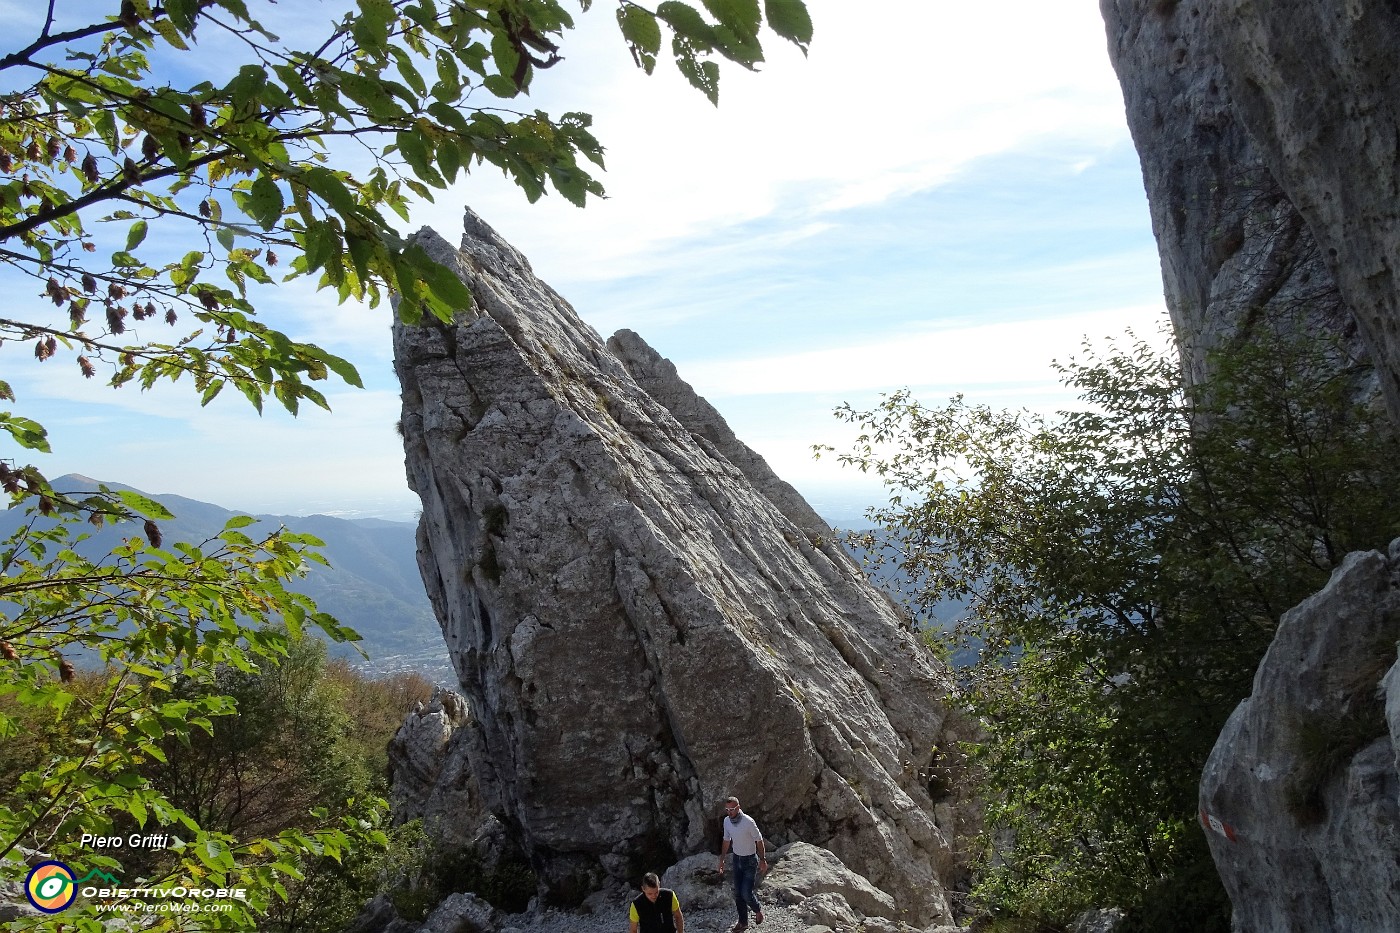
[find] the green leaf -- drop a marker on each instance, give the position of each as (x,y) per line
(143,505)
(702,75)
(642,32)
(687,23)
(742,16)
(342,368)
(790,19)
(448,294)
(265,201)
(414,149)
(501,86)
(246,87)
(170,33)
(28,434)
(182,14)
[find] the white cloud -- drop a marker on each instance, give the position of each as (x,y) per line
(705,204)
(1012,358)
(895,97)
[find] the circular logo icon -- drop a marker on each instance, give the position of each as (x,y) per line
(50,887)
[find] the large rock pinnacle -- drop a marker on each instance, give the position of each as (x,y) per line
(644,619)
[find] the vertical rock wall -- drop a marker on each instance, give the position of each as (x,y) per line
(1236,253)
(1303,787)
(643,618)
(1268,134)
(1317,87)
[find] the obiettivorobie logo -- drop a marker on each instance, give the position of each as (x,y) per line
(52,886)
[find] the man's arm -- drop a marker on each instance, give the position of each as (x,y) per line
(723,851)
(762,847)
(677,916)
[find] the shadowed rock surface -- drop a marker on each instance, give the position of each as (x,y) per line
(1236,253)
(1317,88)
(645,620)
(1303,782)
(1268,136)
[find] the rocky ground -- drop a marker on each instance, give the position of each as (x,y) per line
(777,918)
(808,891)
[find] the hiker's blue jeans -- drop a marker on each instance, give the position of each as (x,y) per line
(745,874)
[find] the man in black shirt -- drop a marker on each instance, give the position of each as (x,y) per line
(656,909)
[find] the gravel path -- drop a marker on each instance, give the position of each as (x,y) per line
(777,918)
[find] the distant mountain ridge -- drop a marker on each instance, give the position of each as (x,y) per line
(372,585)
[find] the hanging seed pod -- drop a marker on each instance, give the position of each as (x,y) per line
(86,366)
(171,317)
(53,147)
(7,651)
(271,258)
(7,162)
(77,312)
(130,172)
(209,300)
(89,283)
(114,290)
(41,350)
(204,209)
(51,345)
(152,533)
(66,672)
(197,116)
(70,155)
(90,169)
(34,152)
(150,148)
(115,324)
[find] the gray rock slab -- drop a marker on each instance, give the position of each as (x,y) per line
(643,621)
(1301,795)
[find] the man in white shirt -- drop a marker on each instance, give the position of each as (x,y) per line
(742,835)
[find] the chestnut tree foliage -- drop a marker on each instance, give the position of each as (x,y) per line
(1124,565)
(132,125)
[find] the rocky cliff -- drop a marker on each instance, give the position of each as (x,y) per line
(1268,136)
(643,618)
(1236,253)
(1301,795)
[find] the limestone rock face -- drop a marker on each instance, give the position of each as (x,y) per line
(1302,793)
(1317,88)
(1236,252)
(430,774)
(645,620)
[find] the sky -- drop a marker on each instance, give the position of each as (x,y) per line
(941,196)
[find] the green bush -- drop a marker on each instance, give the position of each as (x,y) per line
(1124,565)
